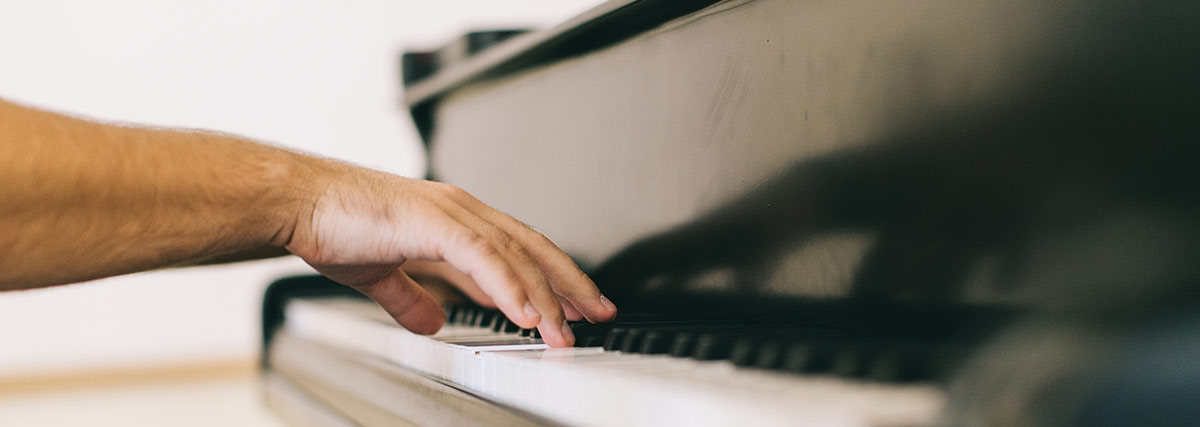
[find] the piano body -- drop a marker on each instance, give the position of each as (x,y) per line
(810,213)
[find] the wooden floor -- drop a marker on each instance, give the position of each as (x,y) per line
(203,395)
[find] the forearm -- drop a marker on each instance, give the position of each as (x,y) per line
(81,200)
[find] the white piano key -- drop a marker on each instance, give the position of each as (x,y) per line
(591,386)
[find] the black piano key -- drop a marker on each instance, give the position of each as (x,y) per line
(938,359)
(850,359)
(482,318)
(743,351)
(769,356)
(853,348)
(535,333)
(657,342)
(589,342)
(584,328)
(632,341)
(900,360)
(511,328)
(807,356)
(713,346)
(615,338)
(890,365)
(590,334)
(683,345)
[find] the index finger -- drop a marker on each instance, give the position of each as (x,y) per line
(567,280)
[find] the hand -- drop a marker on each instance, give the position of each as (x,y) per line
(364,225)
(450,285)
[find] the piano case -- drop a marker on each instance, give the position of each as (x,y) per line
(1019,172)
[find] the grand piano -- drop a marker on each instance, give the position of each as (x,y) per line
(859,212)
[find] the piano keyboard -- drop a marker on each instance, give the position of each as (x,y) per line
(623,373)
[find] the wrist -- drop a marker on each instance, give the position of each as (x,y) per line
(302,181)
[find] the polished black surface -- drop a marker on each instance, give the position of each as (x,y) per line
(1061,175)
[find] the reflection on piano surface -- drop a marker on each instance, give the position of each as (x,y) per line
(821,213)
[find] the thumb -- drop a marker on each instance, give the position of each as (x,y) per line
(410,304)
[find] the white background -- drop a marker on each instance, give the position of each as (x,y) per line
(316,75)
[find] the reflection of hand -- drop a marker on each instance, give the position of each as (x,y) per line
(365,225)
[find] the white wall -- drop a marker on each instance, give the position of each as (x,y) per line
(316,75)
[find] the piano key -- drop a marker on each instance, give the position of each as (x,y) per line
(632,342)
(807,357)
(589,334)
(484,318)
(712,346)
(576,385)
(683,345)
(770,353)
(657,342)
(615,338)
(849,359)
(743,351)
(589,342)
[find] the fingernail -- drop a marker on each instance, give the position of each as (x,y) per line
(532,313)
(607,304)
(566,329)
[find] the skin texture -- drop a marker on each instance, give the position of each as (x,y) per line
(81,200)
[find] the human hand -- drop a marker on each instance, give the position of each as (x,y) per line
(364,225)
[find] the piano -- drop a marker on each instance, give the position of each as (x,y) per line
(820,213)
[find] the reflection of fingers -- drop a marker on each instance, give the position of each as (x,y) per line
(410,304)
(564,276)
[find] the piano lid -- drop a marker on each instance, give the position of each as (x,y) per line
(995,152)
(606,24)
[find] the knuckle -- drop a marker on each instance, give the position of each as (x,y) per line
(477,244)
(453,192)
(571,293)
(515,247)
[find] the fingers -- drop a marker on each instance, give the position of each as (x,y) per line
(410,304)
(564,276)
(516,268)
(476,256)
(430,271)
(541,300)
(569,310)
